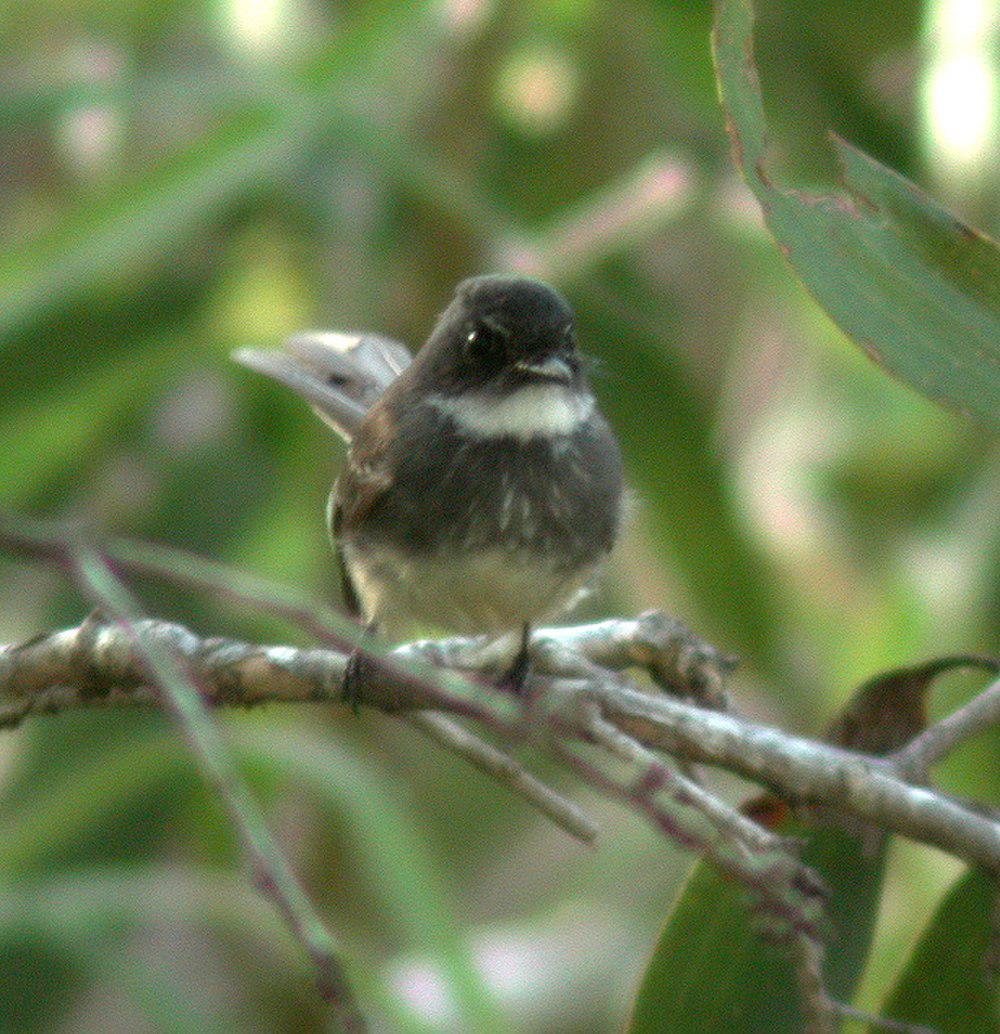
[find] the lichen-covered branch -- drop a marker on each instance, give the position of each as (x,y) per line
(579,701)
(97,663)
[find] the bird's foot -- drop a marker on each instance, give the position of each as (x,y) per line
(358,670)
(515,679)
(354,676)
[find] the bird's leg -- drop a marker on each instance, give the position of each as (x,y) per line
(514,678)
(358,669)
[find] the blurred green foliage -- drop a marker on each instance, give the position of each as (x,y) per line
(183,178)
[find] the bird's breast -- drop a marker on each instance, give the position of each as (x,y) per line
(455,489)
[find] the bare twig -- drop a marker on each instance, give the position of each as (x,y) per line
(757,858)
(807,954)
(922,753)
(181,697)
(800,770)
(782,887)
(502,767)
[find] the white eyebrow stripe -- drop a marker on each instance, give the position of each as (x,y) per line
(534,411)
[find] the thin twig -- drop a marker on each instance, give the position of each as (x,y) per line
(759,859)
(921,753)
(819,1011)
(656,796)
(727,820)
(505,769)
(798,769)
(271,871)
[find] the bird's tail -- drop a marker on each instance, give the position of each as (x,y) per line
(339,375)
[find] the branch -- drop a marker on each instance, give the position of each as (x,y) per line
(162,666)
(977,716)
(677,660)
(44,539)
(577,696)
(63,669)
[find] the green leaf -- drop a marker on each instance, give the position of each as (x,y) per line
(712,971)
(912,285)
(946,985)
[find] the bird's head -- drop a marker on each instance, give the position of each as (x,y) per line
(502,333)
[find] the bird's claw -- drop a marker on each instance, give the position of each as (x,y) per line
(515,678)
(356,672)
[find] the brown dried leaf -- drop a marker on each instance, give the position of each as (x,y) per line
(891,708)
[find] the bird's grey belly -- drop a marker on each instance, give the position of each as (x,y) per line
(489,591)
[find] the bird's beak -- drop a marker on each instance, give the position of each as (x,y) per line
(553,367)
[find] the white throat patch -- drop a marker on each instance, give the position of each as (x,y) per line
(534,411)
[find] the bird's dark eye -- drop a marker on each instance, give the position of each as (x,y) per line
(484,342)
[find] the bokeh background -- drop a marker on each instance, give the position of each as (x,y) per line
(183,177)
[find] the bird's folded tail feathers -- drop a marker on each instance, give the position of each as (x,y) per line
(339,375)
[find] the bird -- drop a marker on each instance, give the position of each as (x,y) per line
(483,489)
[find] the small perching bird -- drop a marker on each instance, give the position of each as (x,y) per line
(483,488)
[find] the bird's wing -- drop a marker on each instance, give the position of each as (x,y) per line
(334,519)
(340,375)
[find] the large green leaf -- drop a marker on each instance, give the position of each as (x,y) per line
(917,289)
(712,971)
(946,985)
